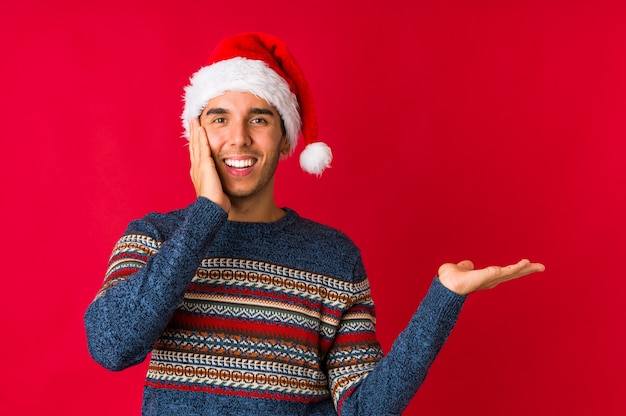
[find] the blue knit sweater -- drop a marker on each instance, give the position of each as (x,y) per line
(256,318)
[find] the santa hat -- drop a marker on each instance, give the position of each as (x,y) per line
(261,65)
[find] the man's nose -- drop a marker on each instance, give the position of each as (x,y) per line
(240,135)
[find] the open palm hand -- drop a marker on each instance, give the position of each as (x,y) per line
(461,278)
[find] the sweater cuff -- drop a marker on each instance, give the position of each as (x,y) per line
(203,217)
(442,302)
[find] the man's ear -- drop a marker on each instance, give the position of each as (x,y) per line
(285,150)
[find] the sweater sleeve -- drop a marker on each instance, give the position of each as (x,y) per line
(391,385)
(144,284)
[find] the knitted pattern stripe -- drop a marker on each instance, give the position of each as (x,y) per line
(257,329)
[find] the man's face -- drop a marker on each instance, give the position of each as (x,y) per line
(246,142)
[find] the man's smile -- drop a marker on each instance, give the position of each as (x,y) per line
(240,163)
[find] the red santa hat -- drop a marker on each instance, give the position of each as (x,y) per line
(261,65)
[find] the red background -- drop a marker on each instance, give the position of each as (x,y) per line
(482,129)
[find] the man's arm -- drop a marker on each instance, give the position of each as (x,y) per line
(391,385)
(393,382)
(145,283)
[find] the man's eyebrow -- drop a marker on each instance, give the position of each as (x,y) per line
(262,111)
(217,110)
(255,110)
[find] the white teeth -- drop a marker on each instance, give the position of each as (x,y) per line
(239,163)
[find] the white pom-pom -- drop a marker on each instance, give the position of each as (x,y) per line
(315,158)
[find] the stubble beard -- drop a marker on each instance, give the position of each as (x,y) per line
(264,180)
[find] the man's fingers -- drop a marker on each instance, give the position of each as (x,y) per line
(202,143)
(466,264)
(193,139)
(190,141)
(514,271)
(199,148)
(524,267)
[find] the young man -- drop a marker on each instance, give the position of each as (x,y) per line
(247,308)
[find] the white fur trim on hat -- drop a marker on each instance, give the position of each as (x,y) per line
(243,75)
(315,158)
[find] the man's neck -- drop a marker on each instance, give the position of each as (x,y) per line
(254,211)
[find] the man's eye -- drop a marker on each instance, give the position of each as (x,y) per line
(258,120)
(219,120)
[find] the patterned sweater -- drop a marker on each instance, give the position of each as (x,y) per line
(256,318)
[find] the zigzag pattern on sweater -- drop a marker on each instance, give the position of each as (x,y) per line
(252,328)
(130,254)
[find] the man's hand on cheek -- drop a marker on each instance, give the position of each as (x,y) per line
(203,172)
